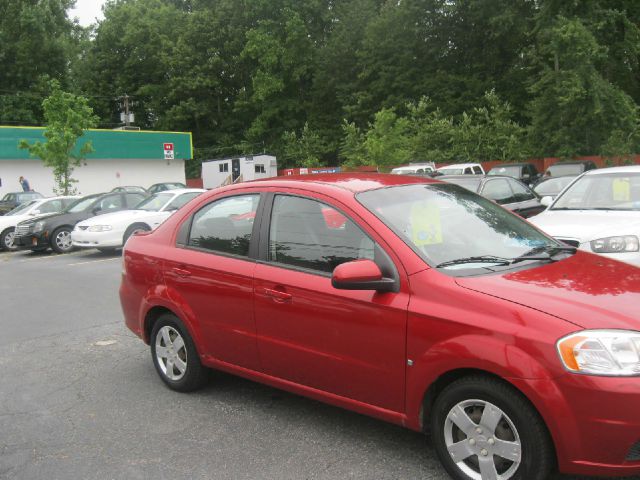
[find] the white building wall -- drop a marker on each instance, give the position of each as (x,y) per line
(94,176)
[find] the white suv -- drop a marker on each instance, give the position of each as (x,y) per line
(462,169)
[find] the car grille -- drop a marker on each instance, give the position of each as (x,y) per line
(22,230)
(569,241)
(634,452)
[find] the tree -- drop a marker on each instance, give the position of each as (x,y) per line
(303,150)
(575,110)
(34,41)
(66,117)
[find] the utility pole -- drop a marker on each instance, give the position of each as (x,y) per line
(126,117)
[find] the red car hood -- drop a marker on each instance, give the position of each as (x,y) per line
(588,290)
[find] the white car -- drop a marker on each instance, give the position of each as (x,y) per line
(110,231)
(462,169)
(31,209)
(598,212)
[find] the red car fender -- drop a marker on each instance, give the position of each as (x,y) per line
(165,297)
(491,355)
(533,379)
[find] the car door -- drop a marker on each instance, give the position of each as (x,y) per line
(211,274)
(350,343)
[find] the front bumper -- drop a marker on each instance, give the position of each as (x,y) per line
(594,421)
(86,239)
(32,241)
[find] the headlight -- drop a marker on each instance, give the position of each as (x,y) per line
(38,227)
(626,243)
(601,352)
(99,228)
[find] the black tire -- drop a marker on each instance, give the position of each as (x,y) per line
(6,240)
(61,240)
(194,374)
(138,227)
(516,423)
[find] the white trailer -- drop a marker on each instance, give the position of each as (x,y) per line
(225,171)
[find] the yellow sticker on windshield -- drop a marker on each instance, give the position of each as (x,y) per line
(426,228)
(621,189)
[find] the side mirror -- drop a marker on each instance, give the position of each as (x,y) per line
(361,275)
(546,201)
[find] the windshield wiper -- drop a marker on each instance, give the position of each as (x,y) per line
(480,259)
(544,252)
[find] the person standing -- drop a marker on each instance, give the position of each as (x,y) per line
(25,184)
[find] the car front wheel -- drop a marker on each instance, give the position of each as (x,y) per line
(174,355)
(484,430)
(61,240)
(6,240)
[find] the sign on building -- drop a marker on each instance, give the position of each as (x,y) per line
(168,151)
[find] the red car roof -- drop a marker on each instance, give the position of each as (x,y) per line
(354,182)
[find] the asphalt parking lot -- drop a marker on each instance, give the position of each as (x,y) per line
(79,398)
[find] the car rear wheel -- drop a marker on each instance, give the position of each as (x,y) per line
(484,430)
(174,355)
(134,229)
(6,239)
(61,240)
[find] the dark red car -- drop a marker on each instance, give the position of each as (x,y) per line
(428,306)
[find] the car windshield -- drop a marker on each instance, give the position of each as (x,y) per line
(181,200)
(552,186)
(155,202)
(509,170)
(565,169)
(81,205)
(20,209)
(470,183)
(610,191)
(446,223)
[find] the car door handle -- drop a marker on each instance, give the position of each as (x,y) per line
(181,272)
(277,295)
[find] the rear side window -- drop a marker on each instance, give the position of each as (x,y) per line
(134,199)
(521,192)
(498,190)
(477,170)
(309,234)
(225,225)
(53,206)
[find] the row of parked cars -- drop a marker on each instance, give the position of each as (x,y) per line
(103,221)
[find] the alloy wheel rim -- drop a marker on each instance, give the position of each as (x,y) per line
(63,240)
(8,240)
(171,353)
(482,440)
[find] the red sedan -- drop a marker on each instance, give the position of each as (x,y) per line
(410,300)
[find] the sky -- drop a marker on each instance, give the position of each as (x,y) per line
(87,11)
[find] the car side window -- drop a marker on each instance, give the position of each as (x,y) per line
(134,199)
(498,190)
(225,225)
(111,202)
(309,234)
(181,200)
(53,206)
(477,170)
(520,192)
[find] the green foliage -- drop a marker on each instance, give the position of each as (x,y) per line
(487,132)
(575,110)
(66,117)
(303,150)
(318,81)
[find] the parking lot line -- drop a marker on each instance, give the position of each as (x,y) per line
(48,256)
(93,261)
